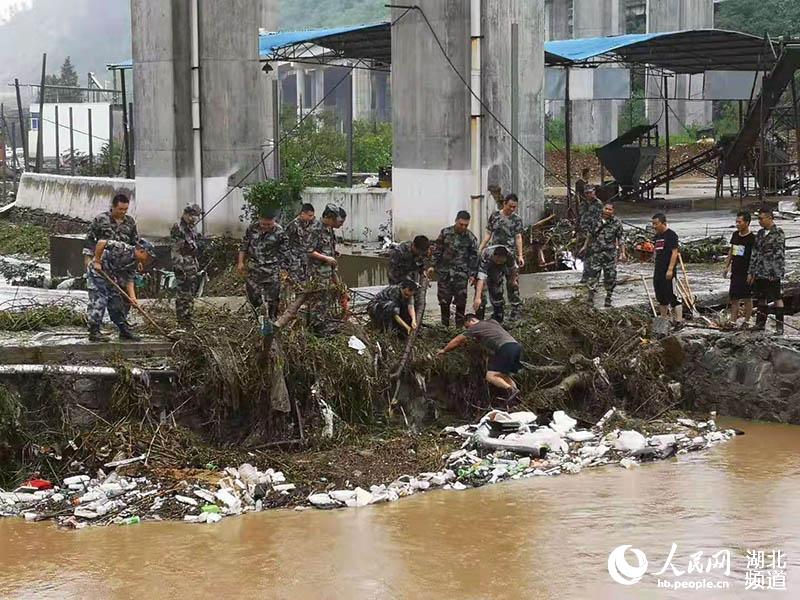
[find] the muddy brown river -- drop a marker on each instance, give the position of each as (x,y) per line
(535,538)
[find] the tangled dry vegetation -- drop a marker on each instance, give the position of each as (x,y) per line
(578,358)
(229,399)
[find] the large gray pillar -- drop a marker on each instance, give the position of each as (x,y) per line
(431,177)
(557,19)
(513,47)
(162,119)
(233,105)
(675,15)
(363,109)
(558,26)
(595,121)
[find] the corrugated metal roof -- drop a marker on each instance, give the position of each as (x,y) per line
(690,51)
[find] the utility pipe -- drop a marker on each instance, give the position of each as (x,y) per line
(197,140)
(25,369)
(475,15)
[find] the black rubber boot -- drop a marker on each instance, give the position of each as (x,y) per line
(445,308)
(273,311)
(481,312)
(779,313)
(96,336)
(498,313)
(607,303)
(461,311)
(761,319)
(125,333)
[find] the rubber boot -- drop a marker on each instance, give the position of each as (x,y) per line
(481,312)
(445,308)
(125,333)
(461,310)
(590,298)
(779,313)
(498,313)
(96,336)
(761,319)
(607,303)
(273,310)
(678,312)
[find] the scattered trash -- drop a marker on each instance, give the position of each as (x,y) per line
(501,446)
(125,500)
(357,345)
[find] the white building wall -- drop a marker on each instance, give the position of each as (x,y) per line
(80,121)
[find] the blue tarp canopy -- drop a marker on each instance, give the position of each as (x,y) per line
(691,51)
(355,42)
(371,42)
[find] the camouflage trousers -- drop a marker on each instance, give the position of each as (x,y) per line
(601,262)
(452,289)
(493,289)
(102,297)
(382,314)
(186,279)
(512,290)
(264,290)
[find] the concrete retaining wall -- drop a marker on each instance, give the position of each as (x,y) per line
(369,210)
(81,197)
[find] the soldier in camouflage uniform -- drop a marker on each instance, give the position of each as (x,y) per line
(299,233)
(602,247)
(115,224)
(590,214)
(184,263)
(455,261)
(407,261)
(767,268)
(263,254)
(322,264)
(505,228)
(119,262)
(391,301)
(496,265)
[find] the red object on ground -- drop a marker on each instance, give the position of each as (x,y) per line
(39,484)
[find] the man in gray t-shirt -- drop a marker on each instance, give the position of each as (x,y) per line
(505,352)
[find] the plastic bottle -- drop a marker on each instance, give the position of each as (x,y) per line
(134,520)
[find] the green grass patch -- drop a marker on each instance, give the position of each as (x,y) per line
(31,240)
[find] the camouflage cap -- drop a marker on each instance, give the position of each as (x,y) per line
(193,209)
(147,246)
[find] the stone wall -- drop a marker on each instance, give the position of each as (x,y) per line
(80,197)
(747,375)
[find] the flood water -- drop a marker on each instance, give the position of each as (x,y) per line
(536,538)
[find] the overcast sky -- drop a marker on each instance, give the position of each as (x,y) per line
(6,5)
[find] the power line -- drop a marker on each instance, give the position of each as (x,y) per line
(480,100)
(289,133)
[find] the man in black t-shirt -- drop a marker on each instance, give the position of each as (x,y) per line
(738,263)
(505,352)
(666,257)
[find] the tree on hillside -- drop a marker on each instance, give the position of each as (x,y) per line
(775,17)
(67,77)
(300,14)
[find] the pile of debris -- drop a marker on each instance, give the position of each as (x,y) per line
(500,446)
(125,500)
(511,446)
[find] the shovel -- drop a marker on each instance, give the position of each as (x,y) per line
(135,304)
